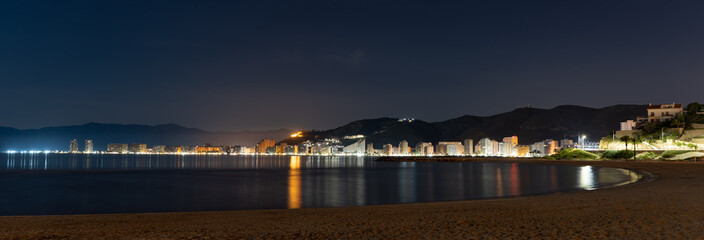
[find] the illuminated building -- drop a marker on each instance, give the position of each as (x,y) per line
(247,150)
(208,149)
(388,149)
(494,148)
(323,150)
(628,125)
(664,112)
(264,144)
(158,149)
(370,149)
(137,147)
(566,143)
(355,148)
(544,148)
(291,149)
(425,148)
(188,149)
(512,139)
(281,148)
(88,146)
(550,147)
(509,146)
(172,149)
(486,147)
(450,148)
(403,148)
(468,147)
(117,148)
(522,151)
(73,148)
(537,149)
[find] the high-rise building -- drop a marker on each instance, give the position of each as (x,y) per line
(487,147)
(509,146)
(537,149)
(450,148)
(522,151)
(356,148)
(88,148)
(512,139)
(137,147)
(550,147)
(425,148)
(494,148)
(403,148)
(388,149)
(264,144)
(73,148)
(117,148)
(468,147)
(159,149)
(281,148)
(208,149)
(370,148)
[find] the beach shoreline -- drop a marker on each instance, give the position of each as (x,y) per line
(671,206)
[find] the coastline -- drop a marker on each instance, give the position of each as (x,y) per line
(671,206)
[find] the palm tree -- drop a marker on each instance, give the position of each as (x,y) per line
(636,138)
(625,140)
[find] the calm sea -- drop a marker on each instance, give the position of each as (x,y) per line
(32,184)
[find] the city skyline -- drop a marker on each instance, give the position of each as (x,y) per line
(228,66)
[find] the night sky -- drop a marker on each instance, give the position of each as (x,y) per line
(229,65)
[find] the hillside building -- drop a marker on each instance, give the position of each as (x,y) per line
(663,112)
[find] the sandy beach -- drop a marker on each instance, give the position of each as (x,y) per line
(668,206)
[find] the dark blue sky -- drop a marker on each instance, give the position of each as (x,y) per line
(229,65)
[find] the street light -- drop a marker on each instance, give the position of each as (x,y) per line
(583,141)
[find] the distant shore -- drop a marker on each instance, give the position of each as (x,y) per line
(670,207)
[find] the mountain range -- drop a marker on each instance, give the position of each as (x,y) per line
(58,138)
(529,124)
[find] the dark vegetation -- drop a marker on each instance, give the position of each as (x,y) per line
(529,124)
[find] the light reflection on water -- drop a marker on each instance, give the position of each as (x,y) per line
(294,183)
(78,183)
(586,178)
(53,161)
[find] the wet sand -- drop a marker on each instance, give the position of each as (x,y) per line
(669,207)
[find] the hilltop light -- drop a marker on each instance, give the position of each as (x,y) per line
(297,134)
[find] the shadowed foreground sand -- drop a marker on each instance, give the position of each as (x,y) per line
(670,207)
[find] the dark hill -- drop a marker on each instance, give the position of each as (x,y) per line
(58,138)
(529,124)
